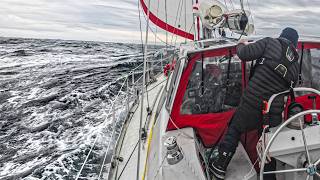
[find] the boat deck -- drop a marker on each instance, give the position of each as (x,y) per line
(127,169)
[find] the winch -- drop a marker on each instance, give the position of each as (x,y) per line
(174,153)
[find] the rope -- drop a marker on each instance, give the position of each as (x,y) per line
(159,167)
(180,132)
(252,168)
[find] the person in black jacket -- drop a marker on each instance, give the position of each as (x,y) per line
(276,70)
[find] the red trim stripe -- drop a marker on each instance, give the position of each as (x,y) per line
(309,45)
(164,25)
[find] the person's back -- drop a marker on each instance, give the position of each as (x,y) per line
(265,82)
(276,70)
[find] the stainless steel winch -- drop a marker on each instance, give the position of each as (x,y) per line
(174,153)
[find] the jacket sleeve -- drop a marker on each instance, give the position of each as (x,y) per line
(252,51)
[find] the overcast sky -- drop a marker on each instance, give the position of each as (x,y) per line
(117,20)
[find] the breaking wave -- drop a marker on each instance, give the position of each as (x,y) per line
(52,106)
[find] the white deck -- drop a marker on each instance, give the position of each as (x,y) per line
(132,135)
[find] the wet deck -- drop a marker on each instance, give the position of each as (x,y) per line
(127,169)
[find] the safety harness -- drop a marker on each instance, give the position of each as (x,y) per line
(282,67)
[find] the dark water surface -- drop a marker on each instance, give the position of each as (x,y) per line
(54,97)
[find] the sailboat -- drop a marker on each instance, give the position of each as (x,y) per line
(179,115)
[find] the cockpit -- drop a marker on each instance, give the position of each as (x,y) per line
(214,86)
(204,90)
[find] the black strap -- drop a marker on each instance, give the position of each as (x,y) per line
(252,69)
(255,63)
(202,75)
(229,67)
(300,68)
(283,65)
(292,96)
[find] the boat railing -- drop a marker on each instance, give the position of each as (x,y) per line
(127,97)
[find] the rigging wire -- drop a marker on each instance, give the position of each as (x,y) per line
(143,87)
(185,22)
(176,18)
(166,14)
(155,34)
(109,145)
(176,36)
(232,5)
(165,42)
(96,138)
(251,16)
(155,37)
(142,47)
(225,3)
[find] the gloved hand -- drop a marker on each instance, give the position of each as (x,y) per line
(243,41)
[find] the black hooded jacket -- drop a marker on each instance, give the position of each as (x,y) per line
(263,84)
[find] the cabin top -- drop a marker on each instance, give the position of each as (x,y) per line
(208,81)
(188,48)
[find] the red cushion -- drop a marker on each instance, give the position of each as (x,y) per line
(306,103)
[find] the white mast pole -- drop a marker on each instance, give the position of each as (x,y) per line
(142,90)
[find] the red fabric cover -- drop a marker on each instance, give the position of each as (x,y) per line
(308,45)
(210,127)
(306,103)
(169,67)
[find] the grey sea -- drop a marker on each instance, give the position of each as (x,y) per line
(55,96)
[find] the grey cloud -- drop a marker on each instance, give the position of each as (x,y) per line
(88,19)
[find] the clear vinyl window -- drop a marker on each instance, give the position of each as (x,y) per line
(315,68)
(173,83)
(214,86)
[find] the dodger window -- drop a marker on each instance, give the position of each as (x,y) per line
(214,86)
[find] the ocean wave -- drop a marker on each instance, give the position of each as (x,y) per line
(53,106)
